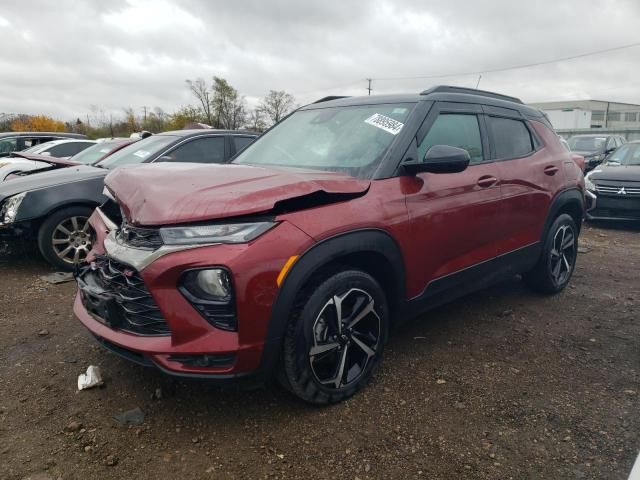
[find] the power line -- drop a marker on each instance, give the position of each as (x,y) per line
(513,67)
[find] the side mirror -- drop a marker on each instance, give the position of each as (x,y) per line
(441,159)
(165,158)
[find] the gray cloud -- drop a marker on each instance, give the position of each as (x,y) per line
(62,57)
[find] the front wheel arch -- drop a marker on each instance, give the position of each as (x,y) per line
(339,251)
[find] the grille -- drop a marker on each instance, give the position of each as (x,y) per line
(116,291)
(620,190)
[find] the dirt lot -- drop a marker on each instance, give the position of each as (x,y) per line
(502,384)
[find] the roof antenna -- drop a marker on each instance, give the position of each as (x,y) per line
(478,83)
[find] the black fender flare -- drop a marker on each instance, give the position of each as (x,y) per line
(572,196)
(320,255)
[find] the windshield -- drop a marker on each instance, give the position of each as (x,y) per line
(351,140)
(628,154)
(138,152)
(38,148)
(587,144)
(95,152)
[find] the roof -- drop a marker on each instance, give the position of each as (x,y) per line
(443,93)
(202,131)
(42,134)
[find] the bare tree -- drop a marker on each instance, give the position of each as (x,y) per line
(205,96)
(277,104)
(255,120)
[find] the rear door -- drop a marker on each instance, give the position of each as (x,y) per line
(456,216)
(530,171)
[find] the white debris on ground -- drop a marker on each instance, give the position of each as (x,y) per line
(92,378)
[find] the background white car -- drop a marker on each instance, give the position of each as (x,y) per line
(44,155)
(63,148)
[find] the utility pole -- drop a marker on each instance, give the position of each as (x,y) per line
(144,109)
(369,87)
(478,84)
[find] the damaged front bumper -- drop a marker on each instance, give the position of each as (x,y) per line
(130,300)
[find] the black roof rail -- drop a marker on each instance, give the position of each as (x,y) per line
(331,97)
(471,91)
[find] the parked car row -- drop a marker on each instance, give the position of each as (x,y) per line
(53,207)
(594,147)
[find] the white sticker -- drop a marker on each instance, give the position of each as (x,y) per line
(385,123)
(142,153)
(399,111)
(104,150)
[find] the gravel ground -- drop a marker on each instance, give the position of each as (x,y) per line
(500,384)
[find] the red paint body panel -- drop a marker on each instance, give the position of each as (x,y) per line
(199,192)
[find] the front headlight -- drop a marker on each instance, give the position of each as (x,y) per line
(9,209)
(225,233)
(589,185)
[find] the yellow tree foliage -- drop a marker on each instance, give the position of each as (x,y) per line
(37,123)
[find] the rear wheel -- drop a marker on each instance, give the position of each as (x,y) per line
(65,238)
(335,338)
(558,259)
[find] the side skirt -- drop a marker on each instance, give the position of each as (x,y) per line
(476,277)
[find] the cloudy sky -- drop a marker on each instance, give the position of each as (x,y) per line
(62,57)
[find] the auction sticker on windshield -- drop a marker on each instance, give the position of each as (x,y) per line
(142,153)
(385,123)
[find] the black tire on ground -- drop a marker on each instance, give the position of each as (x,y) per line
(558,258)
(335,337)
(53,230)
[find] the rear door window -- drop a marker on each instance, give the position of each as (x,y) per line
(455,130)
(511,138)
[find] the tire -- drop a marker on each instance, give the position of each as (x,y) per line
(313,326)
(555,265)
(52,237)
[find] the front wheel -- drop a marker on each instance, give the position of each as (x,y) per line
(558,259)
(335,338)
(65,238)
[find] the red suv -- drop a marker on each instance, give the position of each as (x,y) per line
(350,214)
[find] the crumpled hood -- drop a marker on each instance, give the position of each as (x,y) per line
(48,179)
(620,173)
(171,193)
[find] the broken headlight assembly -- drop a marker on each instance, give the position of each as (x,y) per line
(224,233)
(210,291)
(9,209)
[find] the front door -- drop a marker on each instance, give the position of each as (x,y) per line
(455,217)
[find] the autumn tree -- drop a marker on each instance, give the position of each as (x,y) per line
(37,123)
(277,104)
(185,115)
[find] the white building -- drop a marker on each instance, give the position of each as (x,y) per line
(584,114)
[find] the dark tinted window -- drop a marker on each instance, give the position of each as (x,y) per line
(510,137)
(455,130)
(240,142)
(200,150)
(8,145)
(68,149)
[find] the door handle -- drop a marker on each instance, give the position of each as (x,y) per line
(487,181)
(551,170)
